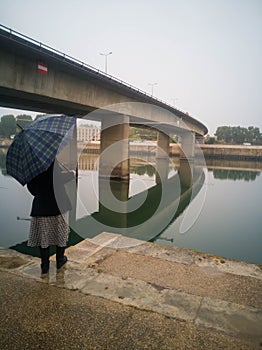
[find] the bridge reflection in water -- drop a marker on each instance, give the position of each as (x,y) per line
(146,214)
(120,209)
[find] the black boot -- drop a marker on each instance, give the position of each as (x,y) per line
(61,259)
(44,253)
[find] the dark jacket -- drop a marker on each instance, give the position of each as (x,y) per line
(50,201)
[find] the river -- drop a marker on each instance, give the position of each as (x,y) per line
(224,218)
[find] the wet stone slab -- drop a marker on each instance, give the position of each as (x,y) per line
(12,262)
(10,259)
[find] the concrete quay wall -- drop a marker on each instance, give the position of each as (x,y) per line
(228,152)
(232,152)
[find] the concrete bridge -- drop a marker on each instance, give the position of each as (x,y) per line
(37,77)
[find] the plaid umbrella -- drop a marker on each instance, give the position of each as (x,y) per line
(36,146)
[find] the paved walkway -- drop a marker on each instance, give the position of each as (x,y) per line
(121,293)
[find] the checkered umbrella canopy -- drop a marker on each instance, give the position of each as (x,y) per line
(36,146)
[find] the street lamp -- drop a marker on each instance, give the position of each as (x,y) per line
(106,54)
(152,87)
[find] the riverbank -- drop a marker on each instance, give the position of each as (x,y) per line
(232,152)
(224,152)
(122,293)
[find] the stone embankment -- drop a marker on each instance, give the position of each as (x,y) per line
(232,152)
(121,293)
(227,152)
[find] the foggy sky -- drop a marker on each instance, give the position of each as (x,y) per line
(204,55)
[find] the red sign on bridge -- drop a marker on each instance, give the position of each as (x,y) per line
(42,67)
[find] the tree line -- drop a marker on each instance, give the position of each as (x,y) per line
(9,123)
(236,135)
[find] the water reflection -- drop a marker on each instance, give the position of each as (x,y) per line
(142,211)
(226,174)
(230,222)
(234,165)
(143,214)
(143,169)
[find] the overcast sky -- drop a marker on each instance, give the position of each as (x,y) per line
(204,55)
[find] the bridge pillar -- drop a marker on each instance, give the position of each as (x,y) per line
(162,157)
(187,159)
(114,155)
(188,145)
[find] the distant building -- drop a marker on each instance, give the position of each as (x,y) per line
(88,133)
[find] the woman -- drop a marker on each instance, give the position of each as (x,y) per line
(49,224)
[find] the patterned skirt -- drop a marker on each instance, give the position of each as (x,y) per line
(49,230)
